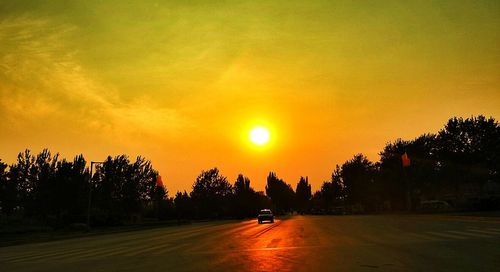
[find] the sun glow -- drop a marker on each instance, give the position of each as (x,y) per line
(259,135)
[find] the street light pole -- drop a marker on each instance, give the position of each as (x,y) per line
(90,191)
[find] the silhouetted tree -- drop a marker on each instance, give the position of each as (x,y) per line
(23,175)
(358,176)
(183,205)
(165,206)
(262,202)
(331,193)
(56,192)
(8,191)
(337,186)
(327,195)
(44,171)
(468,151)
(281,193)
(421,175)
(211,194)
(303,195)
(391,183)
(245,198)
(122,187)
(242,185)
(70,191)
(457,162)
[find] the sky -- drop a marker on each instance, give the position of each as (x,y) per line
(182,82)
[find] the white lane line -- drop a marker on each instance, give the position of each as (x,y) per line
(118,252)
(188,232)
(212,230)
(494,230)
(266,229)
(108,250)
(445,235)
(469,234)
(178,247)
(60,253)
(131,251)
(485,231)
(148,249)
(87,253)
(424,237)
(58,256)
(185,233)
(38,255)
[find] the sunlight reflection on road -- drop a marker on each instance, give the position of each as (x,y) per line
(267,247)
(270,260)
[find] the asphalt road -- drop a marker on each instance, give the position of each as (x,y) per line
(299,243)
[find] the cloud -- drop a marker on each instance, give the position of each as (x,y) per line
(42,81)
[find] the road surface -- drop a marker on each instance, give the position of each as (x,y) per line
(299,243)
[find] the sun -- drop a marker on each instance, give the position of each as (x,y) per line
(259,135)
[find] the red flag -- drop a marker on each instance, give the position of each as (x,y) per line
(405,160)
(159,182)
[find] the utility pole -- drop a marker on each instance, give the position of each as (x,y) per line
(90,191)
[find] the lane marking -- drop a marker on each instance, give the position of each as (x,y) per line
(38,255)
(119,239)
(138,249)
(89,253)
(445,235)
(461,218)
(119,252)
(494,230)
(108,249)
(266,229)
(421,236)
(177,247)
(147,249)
(485,231)
(119,244)
(59,255)
(123,239)
(208,232)
(468,234)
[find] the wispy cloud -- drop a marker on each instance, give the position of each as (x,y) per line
(41,80)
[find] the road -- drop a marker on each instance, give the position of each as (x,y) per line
(298,243)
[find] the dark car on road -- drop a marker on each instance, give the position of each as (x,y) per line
(265,215)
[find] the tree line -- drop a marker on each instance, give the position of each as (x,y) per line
(460,165)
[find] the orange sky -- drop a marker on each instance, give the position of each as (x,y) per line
(182,84)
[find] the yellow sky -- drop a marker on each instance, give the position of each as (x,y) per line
(182,83)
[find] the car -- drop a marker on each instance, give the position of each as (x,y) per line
(265,215)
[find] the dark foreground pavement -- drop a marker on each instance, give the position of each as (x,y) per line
(300,243)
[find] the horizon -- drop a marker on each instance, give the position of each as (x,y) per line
(183,84)
(171,193)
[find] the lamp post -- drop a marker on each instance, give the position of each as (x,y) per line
(90,190)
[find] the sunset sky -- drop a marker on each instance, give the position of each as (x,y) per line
(183,82)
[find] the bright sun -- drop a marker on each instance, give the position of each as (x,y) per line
(259,135)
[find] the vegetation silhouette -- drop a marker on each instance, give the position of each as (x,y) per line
(460,165)
(281,194)
(303,196)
